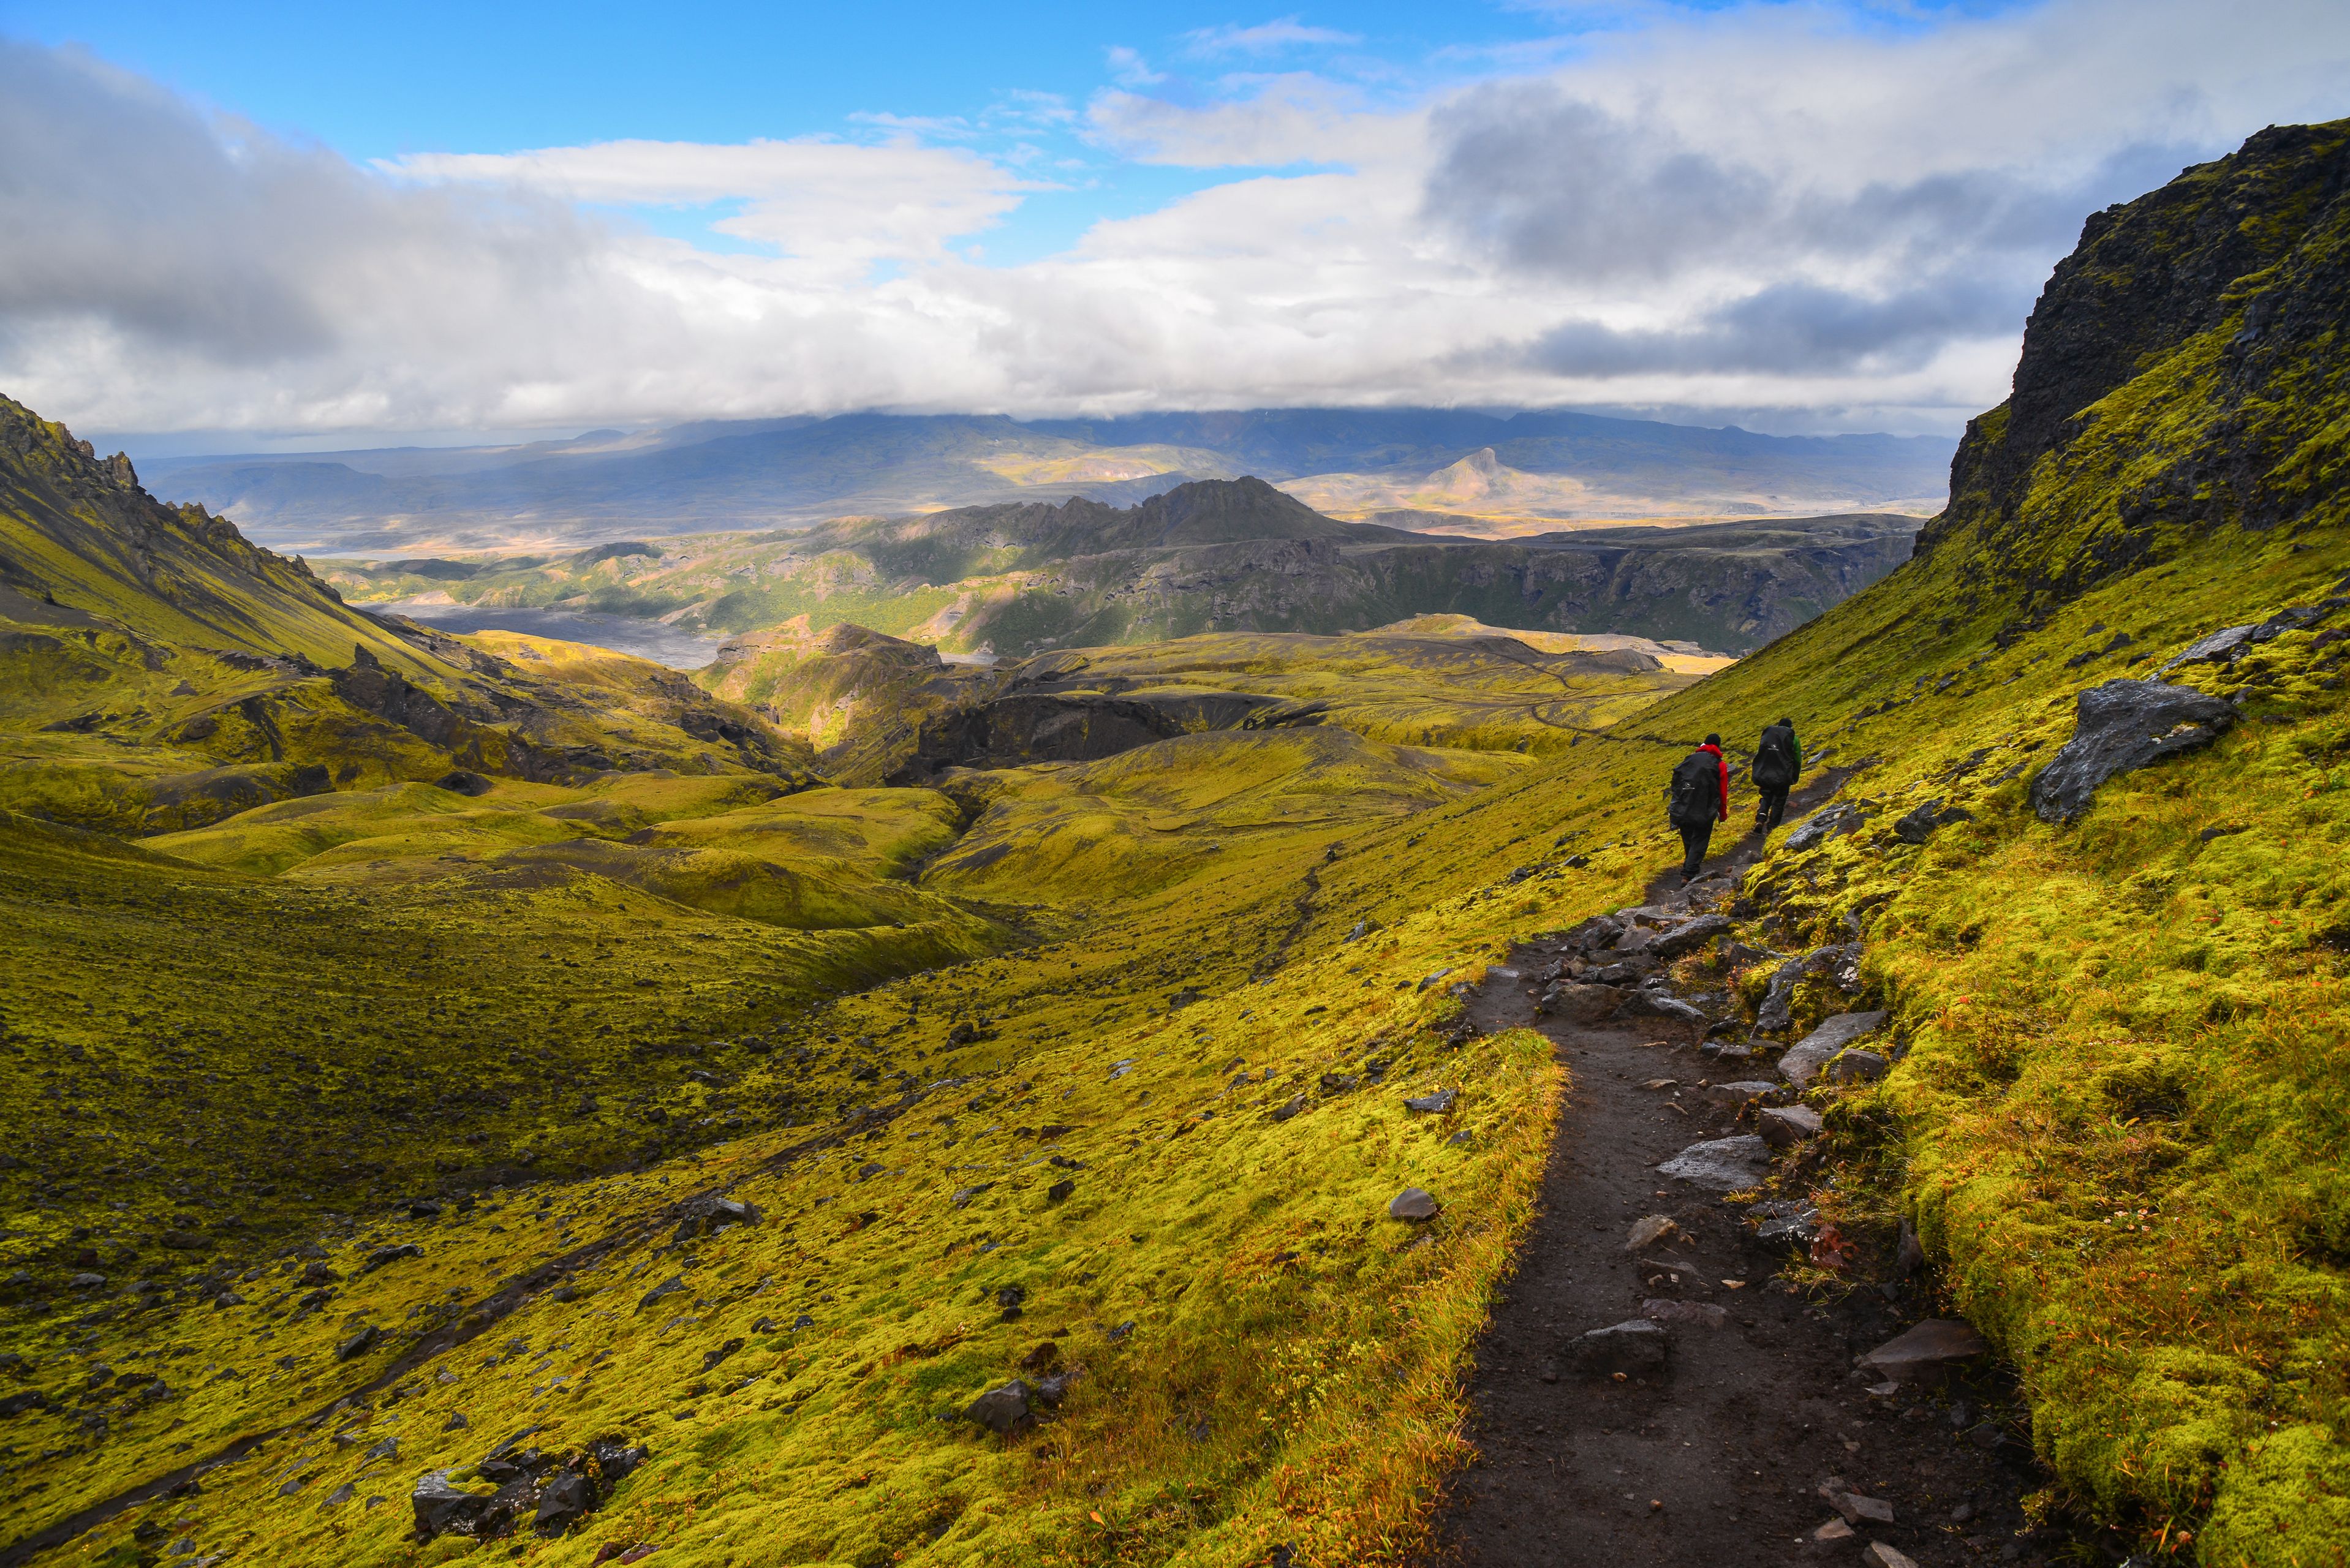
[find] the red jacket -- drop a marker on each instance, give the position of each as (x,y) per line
(1724,790)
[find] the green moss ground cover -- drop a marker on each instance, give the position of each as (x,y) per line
(2116,1112)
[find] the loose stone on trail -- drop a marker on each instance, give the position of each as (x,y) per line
(1926,1350)
(1648,1232)
(1723,1165)
(1784,1126)
(1634,1345)
(1667,1311)
(1805,1059)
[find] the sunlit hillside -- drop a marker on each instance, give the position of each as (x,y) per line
(688,1150)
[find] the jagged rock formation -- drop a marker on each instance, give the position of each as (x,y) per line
(2235,279)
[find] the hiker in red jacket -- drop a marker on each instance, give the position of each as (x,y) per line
(1698,797)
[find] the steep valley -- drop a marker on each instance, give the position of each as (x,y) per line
(486,1095)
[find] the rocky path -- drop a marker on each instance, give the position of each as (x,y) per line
(1732,1428)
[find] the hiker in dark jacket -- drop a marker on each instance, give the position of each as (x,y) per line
(1778,763)
(1698,797)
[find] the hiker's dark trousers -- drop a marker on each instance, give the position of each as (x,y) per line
(1773,807)
(1693,843)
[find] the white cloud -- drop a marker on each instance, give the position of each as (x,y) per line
(1767,209)
(1291,118)
(825,201)
(1265,38)
(1129,68)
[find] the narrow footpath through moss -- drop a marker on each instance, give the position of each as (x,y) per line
(1757,1440)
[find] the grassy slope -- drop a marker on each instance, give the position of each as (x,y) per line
(2095,1021)
(861,700)
(1324,1443)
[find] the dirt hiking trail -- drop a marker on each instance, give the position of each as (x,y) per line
(1725,1455)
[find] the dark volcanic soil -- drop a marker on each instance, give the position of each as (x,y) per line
(1719,1459)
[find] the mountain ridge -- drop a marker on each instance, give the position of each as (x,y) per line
(801,472)
(1010,578)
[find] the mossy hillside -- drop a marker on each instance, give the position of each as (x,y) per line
(1081,834)
(1369,1410)
(1280,1347)
(428,1003)
(106,731)
(1459,685)
(866,701)
(82,541)
(2121,1102)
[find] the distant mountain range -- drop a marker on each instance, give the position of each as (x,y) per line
(1488,474)
(1211,556)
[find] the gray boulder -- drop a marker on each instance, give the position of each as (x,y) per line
(1656,1005)
(2119,727)
(1691,936)
(1723,1165)
(562,1503)
(1831,821)
(1855,1067)
(1926,1350)
(1634,1345)
(1804,1060)
(1004,1411)
(443,1509)
(2225,645)
(1841,963)
(1918,825)
(1784,1126)
(1573,1003)
(1412,1203)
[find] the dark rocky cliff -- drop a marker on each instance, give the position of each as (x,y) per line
(2181,372)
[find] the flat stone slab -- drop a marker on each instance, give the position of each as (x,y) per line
(2119,728)
(1703,1314)
(1635,1345)
(1724,1164)
(1784,1127)
(1575,1003)
(1807,1056)
(1856,1066)
(1926,1350)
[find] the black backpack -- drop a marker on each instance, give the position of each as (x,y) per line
(1774,763)
(1695,794)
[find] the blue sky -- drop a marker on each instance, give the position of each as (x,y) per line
(313,223)
(381,82)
